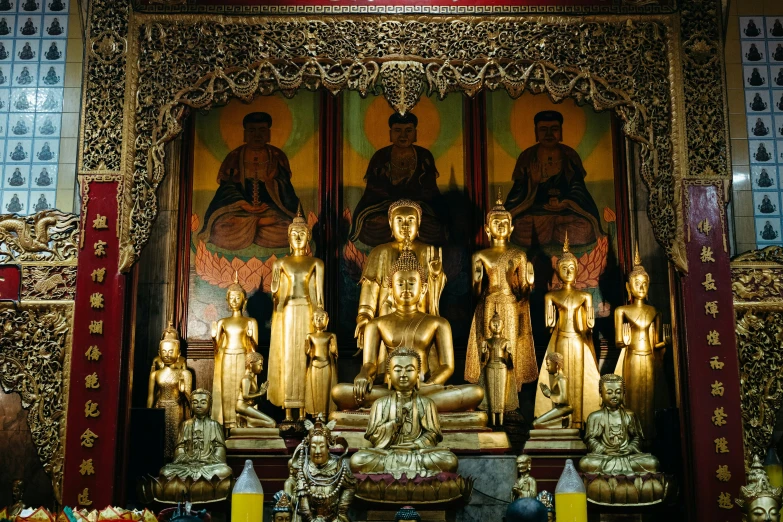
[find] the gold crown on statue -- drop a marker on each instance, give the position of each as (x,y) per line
(405,203)
(282,503)
(758,486)
(235,286)
(499,209)
(299,220)
(319,427)
(638,269)
(406,261)
(170,334)
(567,255)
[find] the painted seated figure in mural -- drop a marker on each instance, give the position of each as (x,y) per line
(401,170)
(758,104)
(753,54)
(255,201)
(755,78)
(16,179)
(16,206)
(55,29)
(766,206)
(759,129)
(43,179)
(4,29)
(778,55)
(752,30)
(768,233)
(764,179)
(27,52)
(53,53)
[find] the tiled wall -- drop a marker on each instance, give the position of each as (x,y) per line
(40,77)
(753,63)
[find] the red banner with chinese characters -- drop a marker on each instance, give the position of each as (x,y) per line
(94,393)
(10,282)
(715,417)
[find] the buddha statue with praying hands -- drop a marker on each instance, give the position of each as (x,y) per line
(557,390)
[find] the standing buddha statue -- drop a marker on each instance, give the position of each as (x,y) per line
(322,367)
(497,377)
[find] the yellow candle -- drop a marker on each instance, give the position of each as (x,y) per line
(570,507)
(247,507)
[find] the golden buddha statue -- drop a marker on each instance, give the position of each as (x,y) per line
(404,428)
(525,486)
(297,284)
(502,279)
(613,435)
(570,314)
(322,366)
(497,378)
(376,299)
(282,511)
(17,493)
(557,391)
(169,387)
(637,327)
(428,335)
(759,501)
(248,416)
(235,336)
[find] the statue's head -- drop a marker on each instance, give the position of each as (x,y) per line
(283,510)
(257,125)
(759,501)
(407,513)
(254,362)
(320,319)
(638,281)
(567,265)
(523,463)
(201,402)
(318,439)
(235,295)
(404,219)
(496,324)
(17,490)
(407,278)
(498,225)
(402,129)
(403,369)
(168,350)
(299,233)
(612,390)
(549,128)
(554,362)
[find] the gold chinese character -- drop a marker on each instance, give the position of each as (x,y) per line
(88,438)
(713,338)
(91,409)
(99,223)
(704,226)
(84,498)
(723,474)
(717,389)
(719,417)
(96,300)
(709,282)
(96,327)
(721,445)
(92,353)
(716,364)
(706,255)
(91,381)
(711,308)
(98,274)
(86,467)
(100,248)
(724,501)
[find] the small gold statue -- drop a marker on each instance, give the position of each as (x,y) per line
(17,492)
(404,428)
(282,511)
(570,314)
(557,390)
(497,378)
(235,336)
(322,366)
(297,284)
(169,387)
(525,486)
(321,483)
(428,335)
(637,329)
(502,279)
(759,501)
(248,416)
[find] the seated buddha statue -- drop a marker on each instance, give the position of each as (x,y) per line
(404,429)
(428,335)
(614,434)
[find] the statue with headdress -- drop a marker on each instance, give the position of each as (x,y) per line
(759,501)
(282,511)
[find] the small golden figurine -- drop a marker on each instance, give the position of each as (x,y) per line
(525,486)
(235,336)
(169,387)
(248,416)
(322,366)
(297,284)
(320,483)
(497,378)
(557,390)
(282,511)
(570,314)
(502,280)
(759,501)
(637,329)
(17,492)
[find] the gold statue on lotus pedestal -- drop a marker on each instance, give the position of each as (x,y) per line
(759,501)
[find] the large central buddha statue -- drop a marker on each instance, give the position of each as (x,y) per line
(426,334)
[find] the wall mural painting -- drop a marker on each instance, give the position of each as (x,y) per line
(254,164)
(554,165)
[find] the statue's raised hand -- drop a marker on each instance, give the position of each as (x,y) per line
(435,260)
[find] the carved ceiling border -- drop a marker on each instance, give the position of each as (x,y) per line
(757,283)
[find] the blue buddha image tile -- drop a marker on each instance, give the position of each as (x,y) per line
(775,51)
(56,6)
(46,150)
(28,26)
(49,100)
(16,177)
(757,100)
(751,27)
(52,75)
(774,27)
(26,50)
(7,26)
(760,125)
(15,202)
(766,203)
(764,177)
(24,75)
(19,151)
(767,230)
(6,50)
(53,50)
(753,52)
(21,125)
(55,26)
(23,100)
(44,176)
(41,200)
(754,76)
(7,6)
(30,6)
(47,125)
(762,151)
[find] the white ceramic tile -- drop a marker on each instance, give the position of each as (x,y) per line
(760,125)
(751,27)
(766,203)
(762,151)
(753,52)
(767,230)
(764,177)
(754,76)
(16,177)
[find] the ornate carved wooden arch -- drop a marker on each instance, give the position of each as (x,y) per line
(201,62)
